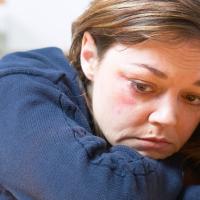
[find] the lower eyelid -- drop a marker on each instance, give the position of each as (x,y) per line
(190,102)
(154,87)
(135,85)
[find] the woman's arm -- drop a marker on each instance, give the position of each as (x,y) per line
(45,153)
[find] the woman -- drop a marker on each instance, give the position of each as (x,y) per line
(138,63)
(169,26)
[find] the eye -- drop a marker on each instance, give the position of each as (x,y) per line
(142,87)
(192,99)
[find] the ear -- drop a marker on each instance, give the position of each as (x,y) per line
(88,56)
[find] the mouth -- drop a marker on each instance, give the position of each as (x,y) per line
(153,143)
(154,139)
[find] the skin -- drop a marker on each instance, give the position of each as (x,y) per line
(145,96)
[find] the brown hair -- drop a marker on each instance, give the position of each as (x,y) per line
(134,21)
(191,155)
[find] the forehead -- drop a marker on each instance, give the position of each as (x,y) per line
(183,55)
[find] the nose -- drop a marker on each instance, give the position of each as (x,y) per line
(165,111)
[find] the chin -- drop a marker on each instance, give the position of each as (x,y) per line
(155,155)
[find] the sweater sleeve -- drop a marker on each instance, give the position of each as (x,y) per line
(191,193)
(46,155)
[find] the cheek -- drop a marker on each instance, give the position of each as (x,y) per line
(123,93)
(129,111)
(123,100)
(187,129)
(113,92)
(191,128)
(123,104)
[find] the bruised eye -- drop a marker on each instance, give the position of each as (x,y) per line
(192,99)
(142,87)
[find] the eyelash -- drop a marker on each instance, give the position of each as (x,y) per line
(192,99)
(142,87)
(147,88)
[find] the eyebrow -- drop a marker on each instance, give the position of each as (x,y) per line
(160,73)
(153,70)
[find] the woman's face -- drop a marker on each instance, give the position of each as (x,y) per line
(146,96)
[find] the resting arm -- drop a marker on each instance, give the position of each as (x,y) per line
(46,155)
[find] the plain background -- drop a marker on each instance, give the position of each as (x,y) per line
(28,24)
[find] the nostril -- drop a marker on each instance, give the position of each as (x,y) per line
(163,116)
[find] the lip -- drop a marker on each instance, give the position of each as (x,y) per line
(151,143)
(154,139)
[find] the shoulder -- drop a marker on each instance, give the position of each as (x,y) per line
(43,72)
(44,62)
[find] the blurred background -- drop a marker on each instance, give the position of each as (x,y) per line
(28,24)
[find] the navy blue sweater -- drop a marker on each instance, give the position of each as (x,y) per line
(47,148)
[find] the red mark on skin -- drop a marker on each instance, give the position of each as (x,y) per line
(124,94)
(125,100)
